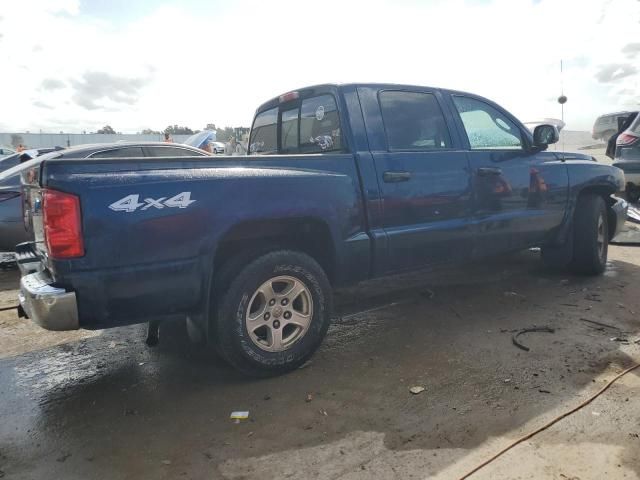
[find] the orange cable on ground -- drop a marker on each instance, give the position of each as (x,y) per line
(549,424)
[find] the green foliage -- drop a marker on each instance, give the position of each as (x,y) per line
(106,130)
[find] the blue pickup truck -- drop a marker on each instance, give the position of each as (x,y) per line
(343,183)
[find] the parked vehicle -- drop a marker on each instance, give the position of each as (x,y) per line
(202,140)
(627,158)
(607,125)
(20,157)
(6,151)
(12,229)
(346,183)
(218,147)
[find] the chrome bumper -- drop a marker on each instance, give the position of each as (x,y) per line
(50,307)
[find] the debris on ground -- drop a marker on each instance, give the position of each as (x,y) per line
(7,261)
(305,364)
(428,293)
(514,338)
(62,458)
(417,389)
(620,339)
(323,412)
(240,415)
(166,462)
(514,295)
(633,214)
(600,324)
(309,398)
(593,297)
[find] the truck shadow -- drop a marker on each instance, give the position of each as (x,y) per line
(449,331)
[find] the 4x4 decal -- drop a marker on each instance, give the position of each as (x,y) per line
(131,203)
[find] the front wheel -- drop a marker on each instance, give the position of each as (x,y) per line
(590,235)
(274,314)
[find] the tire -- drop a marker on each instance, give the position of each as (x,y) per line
(256,336)
(590,235)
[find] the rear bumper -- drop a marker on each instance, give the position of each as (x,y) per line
(619,210)
(50,307)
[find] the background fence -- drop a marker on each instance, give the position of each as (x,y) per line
(41,140)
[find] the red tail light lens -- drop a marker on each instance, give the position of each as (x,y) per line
(626,138)
(287,97)
(62,224)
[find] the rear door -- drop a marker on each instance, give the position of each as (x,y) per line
(423,176)
(519,193)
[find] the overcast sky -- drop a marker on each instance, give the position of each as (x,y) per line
(75,65)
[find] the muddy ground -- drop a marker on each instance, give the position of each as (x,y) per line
(102,405)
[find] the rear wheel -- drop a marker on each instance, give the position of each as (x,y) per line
(590,235)
(274,314)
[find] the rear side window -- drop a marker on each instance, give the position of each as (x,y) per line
(486,126)
(125,152)
(311,125)
(160,151)
(319,125)
(413,121)
(264,133)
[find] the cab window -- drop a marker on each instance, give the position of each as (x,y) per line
(413,121)
(487,128)
(264,133)
(319,125)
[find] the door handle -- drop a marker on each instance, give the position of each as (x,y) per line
(395,177)
(488,171)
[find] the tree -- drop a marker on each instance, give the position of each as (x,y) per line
(16,140)
(149,131)
(210,126)
(224,135)
(178,130)
(107,130)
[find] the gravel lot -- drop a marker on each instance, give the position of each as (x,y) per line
(101,405)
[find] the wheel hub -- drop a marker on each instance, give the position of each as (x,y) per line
(279,313)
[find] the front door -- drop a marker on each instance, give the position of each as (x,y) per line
(424,180)
(519,193)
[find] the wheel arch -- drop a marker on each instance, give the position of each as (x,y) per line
(253,238)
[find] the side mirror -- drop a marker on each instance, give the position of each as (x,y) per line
(545,134)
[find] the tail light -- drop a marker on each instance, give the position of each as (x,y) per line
(62,224)
(8,195)
(626,138)
(287,97)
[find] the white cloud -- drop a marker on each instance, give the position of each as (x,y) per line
(188,66)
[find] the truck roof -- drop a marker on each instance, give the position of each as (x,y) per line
(323,86)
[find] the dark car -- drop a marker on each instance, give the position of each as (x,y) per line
(627,158)
(12,229)
(20,157)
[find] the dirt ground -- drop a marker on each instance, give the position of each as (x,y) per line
(104,406)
